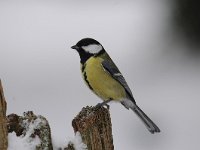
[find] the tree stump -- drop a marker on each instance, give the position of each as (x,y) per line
(3,127)
(94,125)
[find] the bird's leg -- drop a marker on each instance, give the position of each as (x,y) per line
(105,103)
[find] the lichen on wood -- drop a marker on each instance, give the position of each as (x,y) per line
(94,125)
(3,128)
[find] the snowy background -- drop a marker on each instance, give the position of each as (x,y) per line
(40,72)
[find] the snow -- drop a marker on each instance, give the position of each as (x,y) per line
(25,142)
(29,141)
(77,141)
(22,142)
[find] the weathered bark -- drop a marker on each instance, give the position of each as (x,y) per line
(94,125)
(3,128)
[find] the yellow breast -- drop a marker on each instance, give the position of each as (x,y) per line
(101,82)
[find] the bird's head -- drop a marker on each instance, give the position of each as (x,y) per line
(87,48)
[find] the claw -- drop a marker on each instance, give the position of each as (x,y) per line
(105,103)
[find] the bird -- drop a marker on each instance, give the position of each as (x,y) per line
(105,80)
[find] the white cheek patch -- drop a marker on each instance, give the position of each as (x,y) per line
(93,48)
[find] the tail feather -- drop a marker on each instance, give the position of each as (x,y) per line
(151,126)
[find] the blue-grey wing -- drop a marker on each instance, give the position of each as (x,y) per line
(112,69)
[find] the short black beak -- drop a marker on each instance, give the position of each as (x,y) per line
(75,47)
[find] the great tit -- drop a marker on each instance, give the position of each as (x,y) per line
(104,78)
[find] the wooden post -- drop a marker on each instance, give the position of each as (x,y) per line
(94,125)
(3,127)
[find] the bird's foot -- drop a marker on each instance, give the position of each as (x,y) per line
(105,103)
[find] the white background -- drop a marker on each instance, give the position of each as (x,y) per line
(40,72)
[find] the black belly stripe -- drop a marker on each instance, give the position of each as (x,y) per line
(85,77)
(83,68)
